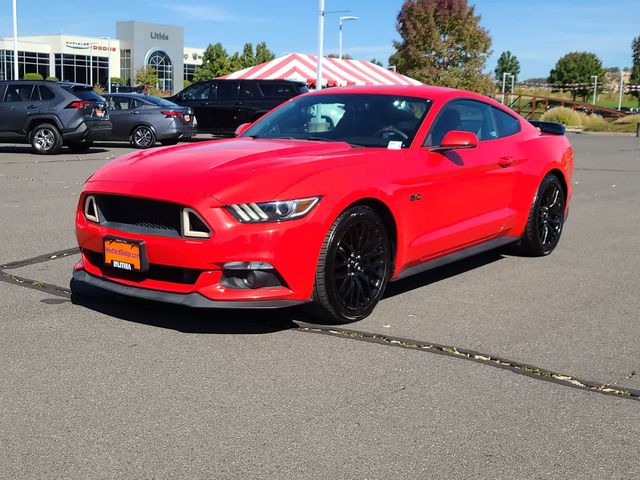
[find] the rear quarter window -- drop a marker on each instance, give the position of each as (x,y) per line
(46,93)
(506,124)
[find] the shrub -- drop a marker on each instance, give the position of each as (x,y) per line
(595,123)
(32,76)
(187,83)
(117,81)
(563,115)
(99,90)
(629,119)
(52,79)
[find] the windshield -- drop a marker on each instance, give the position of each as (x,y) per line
(366,120)
(161,102)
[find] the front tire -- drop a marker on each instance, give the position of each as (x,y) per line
(546,218)
(46,139)
(353,268)
(143,137)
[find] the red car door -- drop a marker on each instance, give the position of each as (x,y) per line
(465,193)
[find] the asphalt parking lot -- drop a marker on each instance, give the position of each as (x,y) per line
(494,367)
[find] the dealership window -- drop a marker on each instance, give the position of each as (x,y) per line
(28,62)
(125,66)
(161,63)
(75,68)
(189,71)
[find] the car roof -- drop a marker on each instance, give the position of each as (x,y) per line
(430,92)
(141,96)
(271,80)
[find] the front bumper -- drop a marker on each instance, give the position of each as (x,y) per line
(191,271)
(193,300)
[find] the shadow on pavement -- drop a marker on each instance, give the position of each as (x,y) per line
(189,320)
(442,273)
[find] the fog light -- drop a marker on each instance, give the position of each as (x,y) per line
(247,266)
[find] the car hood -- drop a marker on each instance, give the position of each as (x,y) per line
(227,169)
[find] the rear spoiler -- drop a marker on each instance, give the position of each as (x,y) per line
(549,127)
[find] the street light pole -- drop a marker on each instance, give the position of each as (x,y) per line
(504,81)
(595,87)
(15,41)
(621,87)
(340,22)
(513,86)
(320,44)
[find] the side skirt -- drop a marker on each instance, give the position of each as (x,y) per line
(455,256)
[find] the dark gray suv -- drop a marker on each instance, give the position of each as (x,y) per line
(49,114)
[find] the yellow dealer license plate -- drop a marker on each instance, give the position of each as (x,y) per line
(125,254)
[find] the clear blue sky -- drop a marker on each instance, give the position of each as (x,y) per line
(537,32)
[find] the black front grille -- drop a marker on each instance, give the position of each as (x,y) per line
(139,214)
(162,273)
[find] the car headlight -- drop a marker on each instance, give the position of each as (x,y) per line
(272,211)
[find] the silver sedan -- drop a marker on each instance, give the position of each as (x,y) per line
(144,120)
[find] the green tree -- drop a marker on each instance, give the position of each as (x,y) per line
(573,72)
(507,63)
(248,58)
(442,44)
(375,61)
(345,56)
(32,76)
(215,62)
(263,54)
(148,77)
(635,70)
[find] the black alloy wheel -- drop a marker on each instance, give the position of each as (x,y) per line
(546,219)
(353,268)
(143,137)
(46,139)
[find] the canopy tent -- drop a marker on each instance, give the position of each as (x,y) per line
(335,72)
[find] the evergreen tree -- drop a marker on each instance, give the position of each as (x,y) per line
(507,63)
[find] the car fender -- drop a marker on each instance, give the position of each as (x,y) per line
(38,119)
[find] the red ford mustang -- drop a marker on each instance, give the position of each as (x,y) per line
(323,201)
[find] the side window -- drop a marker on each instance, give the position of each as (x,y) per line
(120,103)
(18,93)
(507,125)
(199,91)
(464,115)
(228,90)
(249,90)
(46,93)
(277,89)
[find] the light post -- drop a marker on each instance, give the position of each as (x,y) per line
(595,87)
(504,82)
(340,22)
(621,88)
(15,41)
(320,44)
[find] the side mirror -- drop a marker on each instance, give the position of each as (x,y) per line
(456,140)
(242,128)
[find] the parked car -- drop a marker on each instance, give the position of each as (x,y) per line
(144,119)
(300,209)
(49,115)
(221,106)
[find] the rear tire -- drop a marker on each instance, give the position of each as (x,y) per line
(143,137)
(46,139)
(353,268)
(546,219)
(80,147)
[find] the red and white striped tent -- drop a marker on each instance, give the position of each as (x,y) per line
(335,72)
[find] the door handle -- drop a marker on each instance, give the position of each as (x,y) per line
(505,162)
(134,113)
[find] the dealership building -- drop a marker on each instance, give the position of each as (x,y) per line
(93,60)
